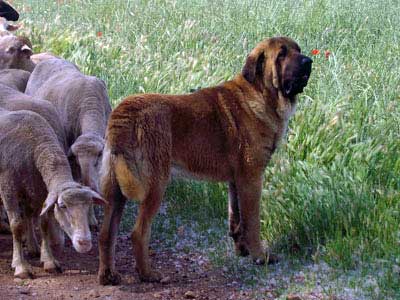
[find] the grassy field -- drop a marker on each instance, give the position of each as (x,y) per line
(332,190)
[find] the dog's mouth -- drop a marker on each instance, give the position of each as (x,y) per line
(295,86)
(297,82)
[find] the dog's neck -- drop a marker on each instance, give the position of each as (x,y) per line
(270,88)
(286,107)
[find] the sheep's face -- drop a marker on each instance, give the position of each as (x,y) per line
(71,209)
(15,53)
(87,151)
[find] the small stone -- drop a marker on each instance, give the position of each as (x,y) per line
(165,280)
(94,293)
(17,280)
(157,295)
(293,297)
(24,291)
(299,278)
(190,295)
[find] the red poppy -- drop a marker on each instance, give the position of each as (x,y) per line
(315,51)
(99,34)
(327,53)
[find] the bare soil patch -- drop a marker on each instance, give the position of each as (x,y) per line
(186,277)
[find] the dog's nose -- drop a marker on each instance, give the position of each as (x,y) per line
(306,61)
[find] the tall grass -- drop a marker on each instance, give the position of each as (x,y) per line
(334,184)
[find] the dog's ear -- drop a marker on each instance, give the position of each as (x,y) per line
(254,65)
(275,74)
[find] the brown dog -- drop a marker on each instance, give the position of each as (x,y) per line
(224,133)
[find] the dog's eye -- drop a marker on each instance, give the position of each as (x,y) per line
(283,52)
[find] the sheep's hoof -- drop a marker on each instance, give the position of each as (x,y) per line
(109,277)
(152,276)
(23,273)
(52,267)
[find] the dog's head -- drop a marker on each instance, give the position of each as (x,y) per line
(278,63)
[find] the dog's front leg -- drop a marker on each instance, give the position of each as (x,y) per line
(249,193)
(234,221)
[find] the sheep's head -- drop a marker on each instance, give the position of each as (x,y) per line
(71,207)
(15,53)
(87,151)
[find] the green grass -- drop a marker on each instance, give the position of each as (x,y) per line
(333,187)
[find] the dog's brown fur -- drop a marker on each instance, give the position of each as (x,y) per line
(225,133)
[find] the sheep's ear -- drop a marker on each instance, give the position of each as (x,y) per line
(97,199)
(26,50)
(49,202)
(11,27)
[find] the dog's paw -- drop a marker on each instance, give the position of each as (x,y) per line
(272,258)
(152,276)
(259,261)
(109,277)
(241,249)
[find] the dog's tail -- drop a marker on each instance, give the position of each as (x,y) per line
(117,179)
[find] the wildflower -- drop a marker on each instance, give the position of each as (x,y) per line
(99,34)
(327,53)
(315,51)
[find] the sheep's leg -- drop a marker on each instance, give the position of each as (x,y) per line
(141,234)
(21,266)
(17,226)
(32,244)
(4,227)
(56,234)
(50,264)
(92,218)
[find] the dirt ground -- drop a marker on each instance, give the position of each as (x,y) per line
(188,277)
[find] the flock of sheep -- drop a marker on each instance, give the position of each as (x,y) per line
(52,124)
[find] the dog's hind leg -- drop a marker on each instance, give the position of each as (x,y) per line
(108,238)
(141,233)
(112,217)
